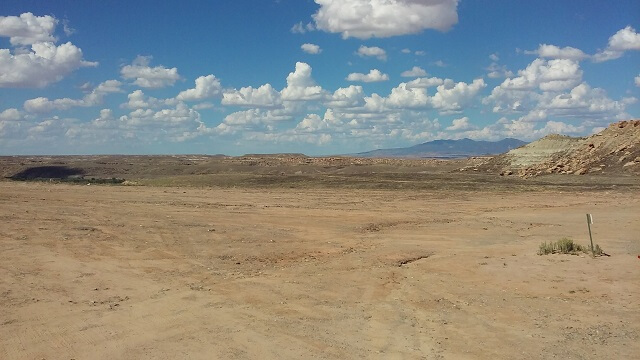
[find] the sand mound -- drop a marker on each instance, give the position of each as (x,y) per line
(615,150)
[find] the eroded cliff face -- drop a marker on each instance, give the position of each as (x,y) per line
(614,150)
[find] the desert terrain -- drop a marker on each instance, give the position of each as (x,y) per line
(329,258)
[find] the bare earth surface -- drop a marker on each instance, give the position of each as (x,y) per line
(129,272)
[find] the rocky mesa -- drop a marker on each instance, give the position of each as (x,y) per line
(614,150)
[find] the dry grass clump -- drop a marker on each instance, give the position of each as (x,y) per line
(567,246)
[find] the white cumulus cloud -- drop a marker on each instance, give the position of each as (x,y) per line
(263,96)
(36,60)
(373,51)
(252,117)
(403,96)
(301,86)
(374,75)
(425,82)
(206,87)
(416,71)
(11,114)
(550,90)
(28,29)
(149,77)
(624,40)
(351,96)
(582,101)
(95,97)
(461,124)
(453,97)
(364,19)
(311,49)
(553,75)
(46,63)
(555,52)
(138,100)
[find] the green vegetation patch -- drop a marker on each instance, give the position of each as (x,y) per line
(567,246)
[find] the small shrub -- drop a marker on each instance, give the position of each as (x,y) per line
(566,246)
(545,248)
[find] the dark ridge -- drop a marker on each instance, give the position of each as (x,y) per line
(47,172)
(448,149)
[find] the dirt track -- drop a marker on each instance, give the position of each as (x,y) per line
(115,272)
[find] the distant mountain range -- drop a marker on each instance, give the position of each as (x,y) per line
(447,149)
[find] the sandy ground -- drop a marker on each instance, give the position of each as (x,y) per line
(116,272)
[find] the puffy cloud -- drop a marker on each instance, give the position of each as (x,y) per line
(582,101)
(374,104)
(311,48)
(109,86)
(138,100)
(149,77)
(95,97)
(315,123)
(494,57)
(425,82)
(301,86)
(637,80)
(552,89)
(403,96)
(407,104)
(206,87)
(351,96)
(416,71)
(373,76)
(509,100)
(42,104)
(173,122)
(552,75)
(290,136)
(558,127)
(364,19)
(461,124)
(374,51)
(311,122)
(520,129)
(555,52)
(250,118)
(452,97)
(264,96)
(11,114)
(624,40)
(28,29)
(44,64)
(105,119)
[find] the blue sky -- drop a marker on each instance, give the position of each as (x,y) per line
(317,77)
